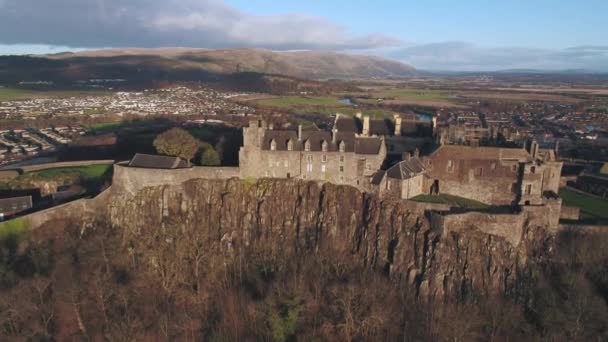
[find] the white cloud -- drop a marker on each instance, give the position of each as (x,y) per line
(460,56)
(154,23)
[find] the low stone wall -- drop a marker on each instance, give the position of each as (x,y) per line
(508,226)
(86,207)
(132,179)
(39,167)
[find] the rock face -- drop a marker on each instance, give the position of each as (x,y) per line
(304,217)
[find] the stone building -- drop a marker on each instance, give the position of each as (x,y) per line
(403,133)
(312,154)
(495,176)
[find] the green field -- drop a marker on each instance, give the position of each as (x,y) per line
(10,94)
(591,206)
(326,105)
(15,227)
(451,200)
(85,172)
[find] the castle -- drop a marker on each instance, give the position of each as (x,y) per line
(354,154)
(310,154)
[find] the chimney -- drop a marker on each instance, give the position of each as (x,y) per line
(398,121)
(416,153)
(534,149)
(271,126)
(359,115)
(334,138)
(406,156)
(300,132)
(366,126)
(556,148)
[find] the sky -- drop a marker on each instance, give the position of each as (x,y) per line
(463,35)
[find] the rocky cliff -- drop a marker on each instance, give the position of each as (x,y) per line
(290,216)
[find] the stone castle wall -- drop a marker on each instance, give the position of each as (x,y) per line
(132,179)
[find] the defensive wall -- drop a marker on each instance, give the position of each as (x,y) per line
(133,179)
(12,173)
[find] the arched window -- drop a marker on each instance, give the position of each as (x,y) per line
(324,146)
(273,145)
(342,146)
(307,145)
(290,145)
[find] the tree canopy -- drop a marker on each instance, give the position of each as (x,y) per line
(177,142)
(209,156)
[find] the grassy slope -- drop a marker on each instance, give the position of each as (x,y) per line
(590,205)
(452,200)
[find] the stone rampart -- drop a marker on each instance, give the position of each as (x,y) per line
(39,167)
(508,226)
(132,179)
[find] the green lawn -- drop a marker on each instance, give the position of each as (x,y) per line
(451,200)
(15,227)
(86,172)
(9,94)
(327,105)
(590,206)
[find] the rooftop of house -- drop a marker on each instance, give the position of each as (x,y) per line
(150,161)
(15,204)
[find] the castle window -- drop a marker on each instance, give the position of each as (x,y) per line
(324,146)
(290,145)
(493,166)
(342,146)
(479,172)
(513,188)
(323,168)
(533,169)
(528,189)
(307,145)
(341,168)
(324,158)
(273,145)
(341,159)
(514,168)
(309,157)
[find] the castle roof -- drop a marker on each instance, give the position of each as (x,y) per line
(460,152)
(359,145)
(406,169)
(150,161)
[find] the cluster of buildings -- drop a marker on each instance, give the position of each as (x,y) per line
(175,101)
(356,152)
(20,143)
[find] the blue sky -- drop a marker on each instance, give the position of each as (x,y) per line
(490,23)
(432,34)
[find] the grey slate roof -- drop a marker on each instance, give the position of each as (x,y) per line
(15,204)
(151,161)
(406,169)
(316,138)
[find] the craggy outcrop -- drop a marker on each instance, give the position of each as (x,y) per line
(391,236)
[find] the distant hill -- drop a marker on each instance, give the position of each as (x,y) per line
(302,64)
